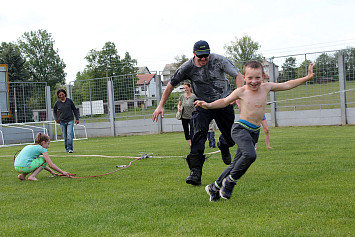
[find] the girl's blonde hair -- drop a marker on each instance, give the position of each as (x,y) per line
(41,138)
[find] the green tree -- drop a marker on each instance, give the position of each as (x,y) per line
(129,64)
(325,65)
(124,89)
(92,69)
(42,60)
(109,60)
(242,50)
(289,69)
(106,63)
(180,60)
(10,54)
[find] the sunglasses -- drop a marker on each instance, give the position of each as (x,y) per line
(203,56)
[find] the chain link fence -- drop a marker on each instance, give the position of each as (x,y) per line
(125,98)
(27,102)
(322,92)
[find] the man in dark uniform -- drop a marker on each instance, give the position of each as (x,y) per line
(206,72)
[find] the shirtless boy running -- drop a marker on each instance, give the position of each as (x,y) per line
(245,132)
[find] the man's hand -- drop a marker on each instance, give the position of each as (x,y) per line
(158,110)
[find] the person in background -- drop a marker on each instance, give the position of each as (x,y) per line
(29,160)
(186,107)
(64,111)
(266,133)
(210,136)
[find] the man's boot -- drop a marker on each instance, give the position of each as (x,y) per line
(195,163)
(195,177)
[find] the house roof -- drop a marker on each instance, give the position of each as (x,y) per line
(144,77)
(168,68)
(143,70)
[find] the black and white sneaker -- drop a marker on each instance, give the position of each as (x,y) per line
(227,188)
(226,155)
(70,151)
(213,192)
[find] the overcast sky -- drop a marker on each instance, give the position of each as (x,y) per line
(156,31)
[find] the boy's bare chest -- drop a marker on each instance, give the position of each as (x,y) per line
(256,100)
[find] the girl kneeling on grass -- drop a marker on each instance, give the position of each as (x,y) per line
(28,160)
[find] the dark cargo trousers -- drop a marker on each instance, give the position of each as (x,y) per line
(245,138)
(200,121)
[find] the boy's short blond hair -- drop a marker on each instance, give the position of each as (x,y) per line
(253,64)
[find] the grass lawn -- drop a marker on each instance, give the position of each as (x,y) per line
(304,186)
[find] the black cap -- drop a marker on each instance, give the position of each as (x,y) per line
(201,47)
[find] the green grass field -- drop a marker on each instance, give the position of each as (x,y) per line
(304,186)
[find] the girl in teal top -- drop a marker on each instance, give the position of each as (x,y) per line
(29,160)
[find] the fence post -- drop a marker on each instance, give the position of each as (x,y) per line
(69,91)
(0,117)
(273,96)
(49,110)
(111,106)
(342,87)
(15,106)
(159,93)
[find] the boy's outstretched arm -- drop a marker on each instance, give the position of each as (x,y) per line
(221,103)
(294,83)
(214,105)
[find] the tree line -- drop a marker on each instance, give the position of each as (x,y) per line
(245,48)
(33,58)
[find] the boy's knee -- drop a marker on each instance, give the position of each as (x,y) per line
(250,157)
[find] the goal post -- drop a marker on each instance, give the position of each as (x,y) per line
(4,91)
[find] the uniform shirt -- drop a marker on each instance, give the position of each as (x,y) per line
(209,83)
(28,154)
(63,111)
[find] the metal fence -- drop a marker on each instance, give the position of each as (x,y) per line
(28,102)
(135,97)
(30,112)
(131,100)
(324,90)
